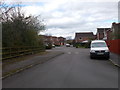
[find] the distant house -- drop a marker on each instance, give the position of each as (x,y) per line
(109,33)
(47,39)
(84,37)
(53,40)
(61,40)
(102,33)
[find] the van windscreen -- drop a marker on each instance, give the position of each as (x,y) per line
(99,44)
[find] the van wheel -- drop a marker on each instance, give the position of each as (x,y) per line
(108,57)
(91,57)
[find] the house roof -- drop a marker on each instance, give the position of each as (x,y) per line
(84,34)
(117,25)
(101,30)
(114,23)
(54,37)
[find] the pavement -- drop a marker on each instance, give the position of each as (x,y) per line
(25,64)
(115,59)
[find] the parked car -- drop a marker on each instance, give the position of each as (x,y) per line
(67,45)
(48,46)
(53,45)
(99,48)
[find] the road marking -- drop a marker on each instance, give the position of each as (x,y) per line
(76,52)
(69,52)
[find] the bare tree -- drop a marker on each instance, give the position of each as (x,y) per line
(19,29)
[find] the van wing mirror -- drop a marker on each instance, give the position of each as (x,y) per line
(108,45)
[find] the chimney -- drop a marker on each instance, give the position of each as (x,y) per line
(113,23)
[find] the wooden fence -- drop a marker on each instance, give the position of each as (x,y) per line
(12,52)
(114,45)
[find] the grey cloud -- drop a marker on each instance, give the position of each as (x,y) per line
(83,16)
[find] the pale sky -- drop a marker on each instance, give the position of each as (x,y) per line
(66,17)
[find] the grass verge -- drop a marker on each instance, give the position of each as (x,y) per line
(22,58)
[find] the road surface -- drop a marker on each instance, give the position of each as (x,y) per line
(74,69)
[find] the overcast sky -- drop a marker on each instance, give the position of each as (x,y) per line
(66,17)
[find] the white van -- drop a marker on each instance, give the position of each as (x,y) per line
(99,48)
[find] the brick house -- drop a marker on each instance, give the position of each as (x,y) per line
(53,40)
(47,39)
(84,36)
(115,30)
(109,33)
(114,38)
(102,33)
(61,40)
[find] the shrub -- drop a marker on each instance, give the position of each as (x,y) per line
(49,46)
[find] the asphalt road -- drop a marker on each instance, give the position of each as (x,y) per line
(74,69)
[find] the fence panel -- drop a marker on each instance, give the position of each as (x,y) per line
(12,52)
(114,45)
